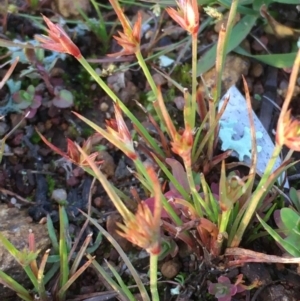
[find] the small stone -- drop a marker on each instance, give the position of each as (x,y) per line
(246,45)
(257,70)
(48,124)
(73,181)
(170,268)
(98,202)
(59,195)
(116,81)
(64,126)
(69,8)
(159,79)
(104,106)
(179,102)
(129,92)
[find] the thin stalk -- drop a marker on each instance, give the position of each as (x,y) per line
(194,80)
(198,201)
(31,276)
(224,221)
(146,71)
(9,282)
(115,98)
(222,46)
(41,275)
(63,251)
(63,290)
(106,278)
(124,287)
(229,26)
(153,277)
(255,199)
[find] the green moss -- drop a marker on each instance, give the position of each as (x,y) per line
(51,183)
(182,75)
(35,138)
(80,85)
(170,95)
(87,132)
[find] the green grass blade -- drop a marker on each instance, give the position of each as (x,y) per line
(125,258)
(52,234)
(15,286)
(121,282)
(108,279)
(290,248)
(63,291)
(63,249)
(80,254)
(280,60)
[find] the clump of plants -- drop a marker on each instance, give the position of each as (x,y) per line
(219,217)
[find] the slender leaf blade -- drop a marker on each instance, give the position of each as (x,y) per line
(239,33)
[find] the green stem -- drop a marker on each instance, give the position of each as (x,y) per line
(115,99)
(147,73)
(256,198)
(63,251)
(222,46)
(153,277)
(198,201)
(194,80)
(224,220)
(32,277)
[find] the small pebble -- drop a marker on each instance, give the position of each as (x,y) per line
(170,268)
(104,107)
(179,102)
(159,79)
(257,70)
(98,202)
(48,124)
(64,126)
(59,195)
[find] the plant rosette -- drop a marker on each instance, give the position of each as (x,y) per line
(28,100)
(63,98)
